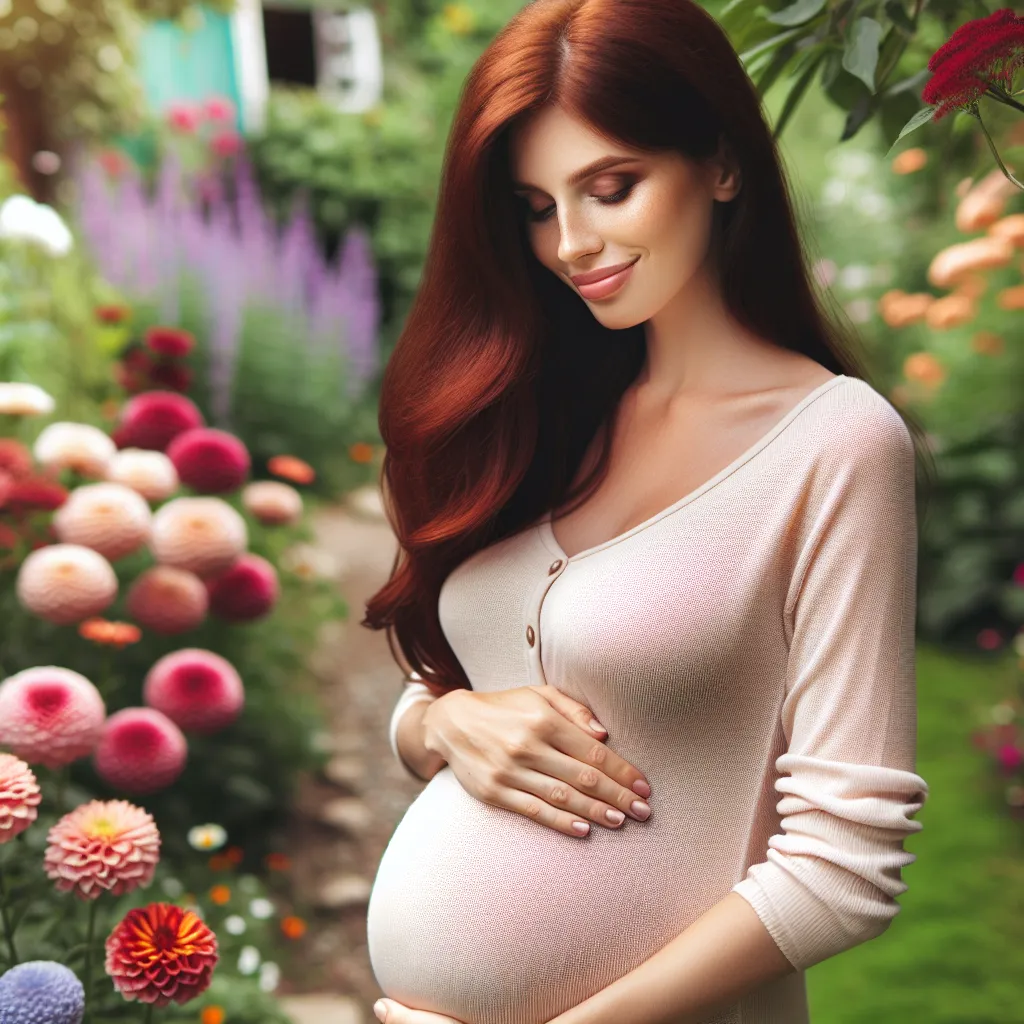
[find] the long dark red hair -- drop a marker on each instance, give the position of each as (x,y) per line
(502,377)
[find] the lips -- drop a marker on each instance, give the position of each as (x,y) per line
(592,276)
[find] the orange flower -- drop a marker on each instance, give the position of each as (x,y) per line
(278,861)
(113,634)
(910,161)
(288,467)
(234,855)
(293,927)
(212,1015)
(360,452)
(220,894)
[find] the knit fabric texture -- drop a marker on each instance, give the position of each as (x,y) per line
(750,649)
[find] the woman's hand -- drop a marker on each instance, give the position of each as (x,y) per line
(532,750)
(395,1013)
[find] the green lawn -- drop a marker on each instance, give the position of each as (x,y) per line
(955,952)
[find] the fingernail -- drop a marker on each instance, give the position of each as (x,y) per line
(379,1009)
(642,788)
(597,726)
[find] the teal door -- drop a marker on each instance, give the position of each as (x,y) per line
(179,65)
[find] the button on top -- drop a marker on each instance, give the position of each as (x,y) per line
(530,637)
(555,566)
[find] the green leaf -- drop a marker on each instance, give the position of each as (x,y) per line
(861,55)
(858,117)
(923,116)
(796,94)
(776,65)
(898,16)
(796,13)
(776,40)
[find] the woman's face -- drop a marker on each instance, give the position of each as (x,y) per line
(655,210)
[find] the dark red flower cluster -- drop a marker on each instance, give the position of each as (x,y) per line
(981,53)
(23,493)
(157,362)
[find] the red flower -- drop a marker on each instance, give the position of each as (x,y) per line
(112,314)
(183,118)
(152,420)
(170,341)
(160,954)
(15,459)
(246,591)
(35,494)
(219,108)
(980,53)
(113,161)
(209,460)
(171,376)
(226,144)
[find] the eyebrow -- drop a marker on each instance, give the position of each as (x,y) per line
(583,173)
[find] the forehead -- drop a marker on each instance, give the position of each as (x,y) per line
(552,144)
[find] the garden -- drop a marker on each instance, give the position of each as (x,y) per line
(197,304)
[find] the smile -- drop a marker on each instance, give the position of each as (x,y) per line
(606,286)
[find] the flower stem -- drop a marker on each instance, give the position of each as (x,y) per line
(1003,97)
(90,933)
(60,780)
(8,930)
(992,146)
(148,1019)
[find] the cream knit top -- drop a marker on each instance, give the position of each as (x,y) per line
(750,648)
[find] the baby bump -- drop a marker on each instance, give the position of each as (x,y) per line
(485,915)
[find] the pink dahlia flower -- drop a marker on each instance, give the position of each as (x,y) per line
(109,518)
(202,535)
(140,751)
(155,418)
(168,601)
(161,953)
(245,591)
(150,473)
(198,690)
(19,797)
(50,716)
(103,846)
(209,460)
(272,502)
(78,446)
(66,583)
(170,341)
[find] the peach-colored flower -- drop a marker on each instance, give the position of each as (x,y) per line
(983,204)
(140,751)
(78,446)
(112,634)
(203,535)
(196,689)
(988,343)
(50,716)
(951,311)
(898,309)
(102,846)
(161,953)
(109,518)
(1011,298)
(150,473)
(910,161)
(1011,227)
(65,583)
(360,451)
(168,600)
(949,265)
(19,797)
(924,368)
(272,502)
(19,399)
(288,467)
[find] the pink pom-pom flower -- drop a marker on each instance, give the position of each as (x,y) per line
(198,690)
(102,846)
(155,418)
(140,751)
(19,797)
(167,600)
(245,591)
(50,716)
(203,535)
(209,460)
(109,518)
(66,583)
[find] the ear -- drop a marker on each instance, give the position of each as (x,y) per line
(726,179)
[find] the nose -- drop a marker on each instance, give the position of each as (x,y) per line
(575,238)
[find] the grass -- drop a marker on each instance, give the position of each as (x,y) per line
(955,952)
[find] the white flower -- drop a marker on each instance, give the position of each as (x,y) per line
(261,908)
(18,399)
(860,311)
(270,975)
(23,219)
(207,837)
(308,562)
(77,446)
(855,277)
(248,960)
(172,887)
(235,925)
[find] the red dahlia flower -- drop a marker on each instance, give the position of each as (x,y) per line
(160,954)
(170,341)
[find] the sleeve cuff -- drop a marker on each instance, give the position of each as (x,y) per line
(414,693)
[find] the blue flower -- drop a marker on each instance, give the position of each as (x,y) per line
(41,992)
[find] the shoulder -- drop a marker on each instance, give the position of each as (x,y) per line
(858,424)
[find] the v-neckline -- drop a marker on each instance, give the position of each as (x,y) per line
(547,533)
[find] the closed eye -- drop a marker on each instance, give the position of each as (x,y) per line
(610,200)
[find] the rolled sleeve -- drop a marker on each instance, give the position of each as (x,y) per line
(848,781)
(413,693)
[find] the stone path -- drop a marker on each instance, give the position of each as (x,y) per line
(343,821)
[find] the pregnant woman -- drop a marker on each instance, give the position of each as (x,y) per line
(637,475)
